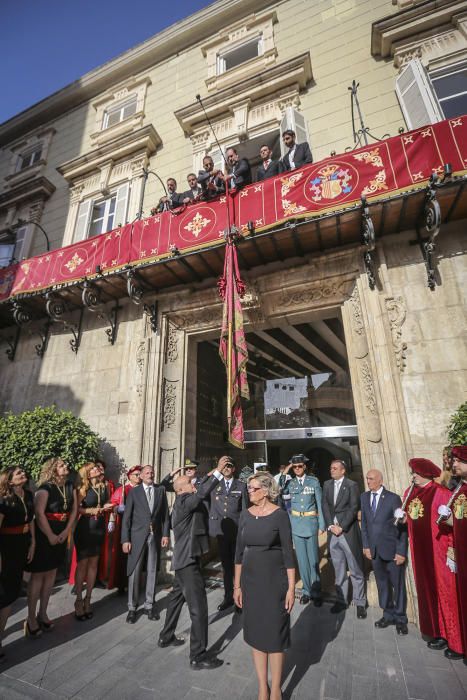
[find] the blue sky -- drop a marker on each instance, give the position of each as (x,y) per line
(46,44)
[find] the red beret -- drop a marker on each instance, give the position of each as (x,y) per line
(136,468)
(424,467)
(460,452)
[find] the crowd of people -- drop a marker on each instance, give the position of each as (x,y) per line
(211,183)
(262,527)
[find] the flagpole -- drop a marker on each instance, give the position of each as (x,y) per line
(229,375)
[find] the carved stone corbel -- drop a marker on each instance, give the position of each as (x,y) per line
(396,314)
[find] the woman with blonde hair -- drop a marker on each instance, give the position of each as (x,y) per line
(55,510)
(17,538)
(93,498)
(264,585)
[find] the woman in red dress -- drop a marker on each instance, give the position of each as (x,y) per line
(117,575)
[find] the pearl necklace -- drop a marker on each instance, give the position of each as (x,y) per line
(262,509)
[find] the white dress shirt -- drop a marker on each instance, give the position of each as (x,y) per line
(378,495)
(292,156)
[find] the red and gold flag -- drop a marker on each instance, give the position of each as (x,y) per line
(232,347)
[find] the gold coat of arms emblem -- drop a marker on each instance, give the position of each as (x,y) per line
(416,509)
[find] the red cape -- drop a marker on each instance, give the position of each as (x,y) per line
(117,574)
(459,530)
(446,580)
(424,549)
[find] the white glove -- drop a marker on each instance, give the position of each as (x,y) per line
(111,526)
(399,513)
(120,509)
(450,563)
(444,511)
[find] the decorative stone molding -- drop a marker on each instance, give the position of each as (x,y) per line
(397,313)
(39,139)
(169,406)
(171,351)
(198,318)
(167,457)
(368,387)
(313,293)
(136,87)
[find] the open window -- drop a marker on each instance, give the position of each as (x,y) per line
(233,57)
(29,157)
(450,86)
(17,249)
(293,119)
(96,216)
(416,96)
(119,112)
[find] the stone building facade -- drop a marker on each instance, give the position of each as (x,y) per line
(73,164)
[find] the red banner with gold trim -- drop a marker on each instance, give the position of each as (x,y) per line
(399,164)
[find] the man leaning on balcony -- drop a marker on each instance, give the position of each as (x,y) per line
(298,154)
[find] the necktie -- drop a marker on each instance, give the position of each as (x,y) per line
(149,495)
(336,490)
(227,486)
(373,503)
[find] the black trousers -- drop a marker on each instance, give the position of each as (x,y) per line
(227,547)
(392,593)
(188,587)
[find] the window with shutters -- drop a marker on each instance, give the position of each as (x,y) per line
(119,112)
(96,216)
(450,86)
(17,251)
(233,57)
(416,96)
(293,119)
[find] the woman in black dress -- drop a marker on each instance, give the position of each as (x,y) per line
(264,583)
(17,538)
(55,508)
(93,498)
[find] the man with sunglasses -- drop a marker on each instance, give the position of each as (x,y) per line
(307,522)
(226,504)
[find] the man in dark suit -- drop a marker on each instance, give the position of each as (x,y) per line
(341,503)
(240,171)
(190,527)
(226,503)
(211,181)
(172,199)
(193,194)
(268,167)
(298,154)
(190,469)
(145,529)
(385,545)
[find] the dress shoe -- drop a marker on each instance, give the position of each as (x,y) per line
(383,623)
(401,628)
(225,605)
(361,612)
(174,642)
(338,608)
(152,614)
(305,599)
(131,617)
(205,662)
(450,654)
(438,643)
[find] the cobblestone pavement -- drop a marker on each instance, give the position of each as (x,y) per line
(333,657)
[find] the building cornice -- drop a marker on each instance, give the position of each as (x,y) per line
(36,188)
(407,24)
(176,38)
(144,140)
(294,72)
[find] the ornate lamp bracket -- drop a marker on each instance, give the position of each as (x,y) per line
(431,224)
(43,333)
(151,311)
(134,289)
(92,300)
(56,308)
(13,344)
(369,241)
(111,318)
(21,315)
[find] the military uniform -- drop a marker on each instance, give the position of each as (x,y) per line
(306,518)
(224,514)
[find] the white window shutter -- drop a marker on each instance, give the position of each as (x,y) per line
(121,205)
(416,96)
(21,245)
(293,119)
(82,221)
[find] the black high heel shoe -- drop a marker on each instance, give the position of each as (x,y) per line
(46,626)
(28,632)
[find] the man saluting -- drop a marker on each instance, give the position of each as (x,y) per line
(190,527)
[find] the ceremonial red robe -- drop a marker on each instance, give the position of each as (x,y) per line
(446,580)
(428,548)
(459,531)
(117,574)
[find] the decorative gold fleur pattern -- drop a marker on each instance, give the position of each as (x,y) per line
(74,262)
(379,183)
(370,157)
(197,224)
